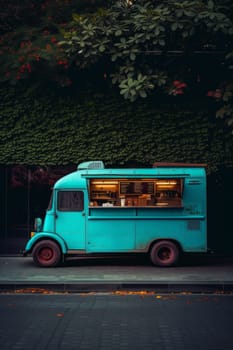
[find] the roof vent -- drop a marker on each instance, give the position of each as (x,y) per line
(98,164)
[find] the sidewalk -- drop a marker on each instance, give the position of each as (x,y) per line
(196,274)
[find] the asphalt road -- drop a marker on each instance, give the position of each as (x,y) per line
(116,321)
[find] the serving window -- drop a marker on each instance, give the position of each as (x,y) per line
(136,192)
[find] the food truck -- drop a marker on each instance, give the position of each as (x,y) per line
(160,211)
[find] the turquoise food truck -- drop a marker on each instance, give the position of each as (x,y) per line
(94,210)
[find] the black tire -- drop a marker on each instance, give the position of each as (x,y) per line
(46,254)
(164,253)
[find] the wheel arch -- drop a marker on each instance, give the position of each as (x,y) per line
(179,246)
(46,237)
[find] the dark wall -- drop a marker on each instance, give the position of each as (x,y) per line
(220,214)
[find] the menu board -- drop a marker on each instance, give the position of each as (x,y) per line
(136,187)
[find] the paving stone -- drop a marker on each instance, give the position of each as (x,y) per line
(122,322)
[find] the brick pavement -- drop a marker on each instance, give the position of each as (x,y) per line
(115,321)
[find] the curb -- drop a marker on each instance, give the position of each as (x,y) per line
(106,287)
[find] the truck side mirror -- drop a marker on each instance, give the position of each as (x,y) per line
(38,224)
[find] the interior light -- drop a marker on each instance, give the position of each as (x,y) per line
(105,186)
(166,183)
(104,182)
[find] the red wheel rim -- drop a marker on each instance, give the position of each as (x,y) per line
(165,254)
(45,254)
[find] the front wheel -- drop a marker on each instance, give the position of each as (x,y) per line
(164,253)
(46,254)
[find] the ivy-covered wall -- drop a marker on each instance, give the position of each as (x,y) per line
(55,129)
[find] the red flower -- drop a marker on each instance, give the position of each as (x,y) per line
(176,83)
(48,47)
(37,57)
(216,93)
(22,69)
(179,84)
(53,40)
(182,85)
(179,88)
(63,63)
(29,68)
(179,92)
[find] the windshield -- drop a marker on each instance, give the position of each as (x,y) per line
(50,202)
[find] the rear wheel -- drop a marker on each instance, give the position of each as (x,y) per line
(164,253)
(46,254)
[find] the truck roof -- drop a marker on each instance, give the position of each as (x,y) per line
(78,178)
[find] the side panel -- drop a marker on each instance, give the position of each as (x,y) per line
(195,236)
(150,230)
(190,233)
(133,230)
(110,230)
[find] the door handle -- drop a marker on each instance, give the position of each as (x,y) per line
(83,214)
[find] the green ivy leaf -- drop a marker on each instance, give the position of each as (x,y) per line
(143,93)
(102,48)
(132,56)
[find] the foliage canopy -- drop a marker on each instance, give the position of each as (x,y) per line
(140,46)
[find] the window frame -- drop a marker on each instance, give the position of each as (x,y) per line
(70,209)
(131,189)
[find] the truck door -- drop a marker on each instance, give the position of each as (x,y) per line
(70,217)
